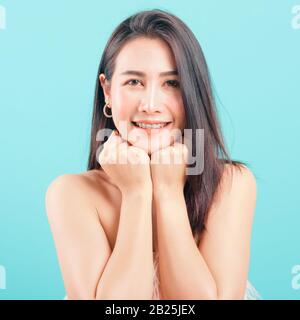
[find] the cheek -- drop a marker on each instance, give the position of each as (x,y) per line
(123,111)
(124,103)
(179,113)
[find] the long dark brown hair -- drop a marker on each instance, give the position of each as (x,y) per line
(197,96)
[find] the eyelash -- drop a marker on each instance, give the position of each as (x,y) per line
(175,81)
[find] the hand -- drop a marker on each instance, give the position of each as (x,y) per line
(168,168)
(127,166)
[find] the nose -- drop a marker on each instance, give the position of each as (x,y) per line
(151,101)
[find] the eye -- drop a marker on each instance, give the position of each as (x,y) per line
(128,82)
(174,83)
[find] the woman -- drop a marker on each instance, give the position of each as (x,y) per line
(141,229)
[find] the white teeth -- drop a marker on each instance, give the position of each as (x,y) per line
(151,126)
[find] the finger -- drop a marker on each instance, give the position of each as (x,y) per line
(114,139)
(121,140)
(181,150)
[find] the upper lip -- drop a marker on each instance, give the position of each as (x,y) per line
(152,121)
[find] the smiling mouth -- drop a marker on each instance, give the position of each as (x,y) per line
(151,126)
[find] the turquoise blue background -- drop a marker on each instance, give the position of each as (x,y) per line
(49,55)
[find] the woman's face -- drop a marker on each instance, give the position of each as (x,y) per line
(139,91)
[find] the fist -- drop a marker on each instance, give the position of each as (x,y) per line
(168,167)
(127,166)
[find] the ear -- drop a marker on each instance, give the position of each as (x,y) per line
(105,86)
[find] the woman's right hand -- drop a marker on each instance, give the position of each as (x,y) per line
(128,166)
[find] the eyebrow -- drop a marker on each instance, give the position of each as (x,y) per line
(142,74)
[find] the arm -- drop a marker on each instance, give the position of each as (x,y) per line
(129,271)
(218,268)
(89,269)
(183,272)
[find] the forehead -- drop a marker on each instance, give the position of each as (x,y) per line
(149,55)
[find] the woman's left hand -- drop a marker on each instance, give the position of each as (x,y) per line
(168,168)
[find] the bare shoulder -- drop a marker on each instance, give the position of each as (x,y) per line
(233,206)
(68,183)
(225,243)
(91,189)
(237,179)
(237,187)
(80,188)
(81,241)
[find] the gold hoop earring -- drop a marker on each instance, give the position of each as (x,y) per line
(105,113)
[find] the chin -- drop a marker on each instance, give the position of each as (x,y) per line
(152,147)
(151,143)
